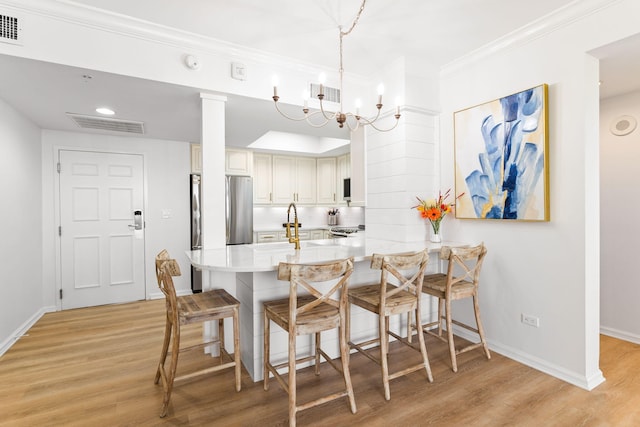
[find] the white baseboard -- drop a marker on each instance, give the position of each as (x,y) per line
(160,295)
(587,383)
(622,335)
(22,329)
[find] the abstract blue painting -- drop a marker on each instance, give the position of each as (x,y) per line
(501,158)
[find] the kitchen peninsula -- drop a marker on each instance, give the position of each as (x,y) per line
(249,273)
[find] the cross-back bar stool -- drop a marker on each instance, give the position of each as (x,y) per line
(309,310)
(398,292)
(460,281)
(216,304)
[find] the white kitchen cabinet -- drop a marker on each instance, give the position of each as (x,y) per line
(266,237)
(281,236)
(284,179)
(262,179)
(327,187)
(306,179)
(343,170)
(238,162)
(196,158)
(294,180)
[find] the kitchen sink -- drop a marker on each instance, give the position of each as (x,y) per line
(285,246)
(324,243)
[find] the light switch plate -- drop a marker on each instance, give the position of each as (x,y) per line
(238,71)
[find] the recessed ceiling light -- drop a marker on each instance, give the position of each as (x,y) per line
(106,111)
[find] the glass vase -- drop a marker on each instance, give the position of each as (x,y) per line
(435,236)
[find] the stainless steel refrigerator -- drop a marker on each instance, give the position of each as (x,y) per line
(239,216)
(239,209)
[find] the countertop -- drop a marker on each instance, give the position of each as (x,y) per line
(266,256)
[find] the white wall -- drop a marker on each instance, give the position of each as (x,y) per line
(21,219)
(167,168)
(619,228)
(548,269)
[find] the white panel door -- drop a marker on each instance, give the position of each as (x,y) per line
(101,254)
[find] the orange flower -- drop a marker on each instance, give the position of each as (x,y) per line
(433,214)
(435,209)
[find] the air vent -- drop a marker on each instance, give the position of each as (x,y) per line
(331,94)
(104,123)
(10,29)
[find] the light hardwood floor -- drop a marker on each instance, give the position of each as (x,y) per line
(95,367)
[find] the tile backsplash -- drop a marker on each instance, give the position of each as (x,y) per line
(272,218)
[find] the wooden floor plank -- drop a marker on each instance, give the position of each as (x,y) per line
(95,367)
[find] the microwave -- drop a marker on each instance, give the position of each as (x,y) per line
(346,189)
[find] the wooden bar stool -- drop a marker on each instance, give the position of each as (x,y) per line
(386,299)
(310,311)
(447,287)
(216,304)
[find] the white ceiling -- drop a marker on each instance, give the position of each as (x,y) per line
(430,32)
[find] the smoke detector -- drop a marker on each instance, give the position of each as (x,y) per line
(623,125)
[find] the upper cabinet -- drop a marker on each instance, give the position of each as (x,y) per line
(280,180)
(294,180)
(262,179)
(327,188)
(238,162)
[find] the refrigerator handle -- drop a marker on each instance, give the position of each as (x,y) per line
(227,207)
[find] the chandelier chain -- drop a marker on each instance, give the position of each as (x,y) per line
(346,33)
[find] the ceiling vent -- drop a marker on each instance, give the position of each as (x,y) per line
(331,94)
(10,29)
(104,123)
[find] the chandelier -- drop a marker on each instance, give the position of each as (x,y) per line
(322,117)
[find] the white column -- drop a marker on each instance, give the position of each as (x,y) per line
(213,190)
(213,142)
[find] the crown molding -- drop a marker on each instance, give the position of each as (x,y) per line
(102,20)
(572,12)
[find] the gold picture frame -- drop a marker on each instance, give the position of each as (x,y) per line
(502,158)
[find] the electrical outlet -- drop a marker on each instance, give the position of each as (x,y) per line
(527,319)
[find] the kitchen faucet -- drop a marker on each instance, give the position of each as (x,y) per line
(296,238)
